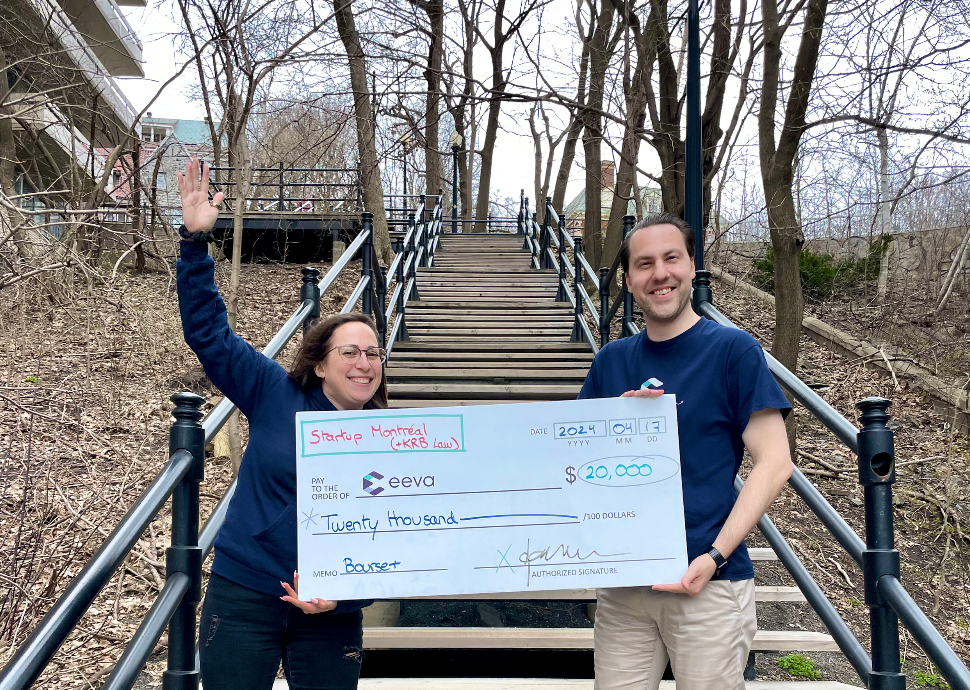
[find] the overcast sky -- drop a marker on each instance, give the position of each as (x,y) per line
(513,162)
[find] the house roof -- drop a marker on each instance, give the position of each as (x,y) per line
(576,209)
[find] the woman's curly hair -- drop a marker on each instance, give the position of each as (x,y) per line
(315,345)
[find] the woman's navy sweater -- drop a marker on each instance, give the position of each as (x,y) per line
(256,546)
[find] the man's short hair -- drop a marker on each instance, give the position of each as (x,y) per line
(657,219)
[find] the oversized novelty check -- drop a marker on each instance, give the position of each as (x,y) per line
(494,498)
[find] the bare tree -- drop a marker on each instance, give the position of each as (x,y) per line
(501,36)
(601,47)
(778,157)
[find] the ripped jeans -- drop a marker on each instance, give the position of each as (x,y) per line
(244,634)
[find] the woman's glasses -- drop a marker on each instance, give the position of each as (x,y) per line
(351,353)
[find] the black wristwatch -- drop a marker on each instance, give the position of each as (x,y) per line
(719,560)
(195,236)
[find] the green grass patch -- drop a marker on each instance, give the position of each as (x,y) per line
(799,666)
(929,680)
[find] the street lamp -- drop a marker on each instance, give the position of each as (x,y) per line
(455,141)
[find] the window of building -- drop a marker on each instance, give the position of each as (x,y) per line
(115,179)
(161,182)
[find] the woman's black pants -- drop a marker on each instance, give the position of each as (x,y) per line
(244,634)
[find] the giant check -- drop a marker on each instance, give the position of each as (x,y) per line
(494,498)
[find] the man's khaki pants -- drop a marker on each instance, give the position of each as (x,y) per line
(707,637)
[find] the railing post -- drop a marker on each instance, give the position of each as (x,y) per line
(877,472)
(577,334)
(561,290)
(604,307)
(310,290)
(628,223)
(402,333)
(381,291)
(184,555)
(702,289)
(280,206)
(366,260)
(412,250)
(519,228)
(424,227)
(454,188)
(527,226)
(544,240)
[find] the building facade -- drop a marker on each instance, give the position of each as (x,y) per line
(60,98)
(166,145)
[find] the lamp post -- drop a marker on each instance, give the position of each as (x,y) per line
(455,141)
(693,182)
(405,140)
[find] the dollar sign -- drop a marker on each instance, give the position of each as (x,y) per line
(570,474)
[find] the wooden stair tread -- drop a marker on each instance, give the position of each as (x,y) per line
(554,684)
(452,358)
(484,391)
(761,593)
(463,307)
(762,553)
(403,362)
(399,373)
(560,638)
(497,333)
(527,346)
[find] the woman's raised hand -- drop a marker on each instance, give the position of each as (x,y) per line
(312,606)
(198,214)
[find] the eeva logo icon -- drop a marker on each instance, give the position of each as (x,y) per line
(370,483)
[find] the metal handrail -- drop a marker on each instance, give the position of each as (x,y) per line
(34,654)
(836,625)
(828,415)
(392,303)
(44,641)
(582,259)
(587,300)
(135,655)
(923,630)
(362,285)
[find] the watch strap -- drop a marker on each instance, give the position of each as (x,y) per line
(719,560)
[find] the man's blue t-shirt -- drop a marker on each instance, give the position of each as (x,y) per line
(720,378)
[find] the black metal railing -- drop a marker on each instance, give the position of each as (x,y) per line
(889,603)
(175,606)
(292,193)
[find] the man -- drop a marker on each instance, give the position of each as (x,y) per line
(727,401)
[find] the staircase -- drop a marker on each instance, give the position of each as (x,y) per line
(486,329)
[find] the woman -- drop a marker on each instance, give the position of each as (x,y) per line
(251,617)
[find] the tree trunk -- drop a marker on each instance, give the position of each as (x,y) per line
(496,52)
(137,215)
(636,107)
(369,167)
(777,170)
(885,214)
(575,128)
(434,169)
(593,134)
